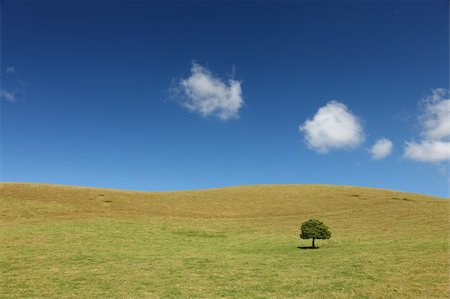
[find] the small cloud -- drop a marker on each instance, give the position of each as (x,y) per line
(8,96)
(432,151)
(436,116)
(13,89)
(333,127)
(435,130)
(381,149)
(208,95)
(10,70)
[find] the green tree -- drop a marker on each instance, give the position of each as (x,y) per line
(314,229)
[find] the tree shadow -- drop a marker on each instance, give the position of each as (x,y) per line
(307,247)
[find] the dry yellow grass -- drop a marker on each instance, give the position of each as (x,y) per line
(60,241)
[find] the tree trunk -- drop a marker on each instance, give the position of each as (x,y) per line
(314,246)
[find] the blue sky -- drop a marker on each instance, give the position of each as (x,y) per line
(156,95)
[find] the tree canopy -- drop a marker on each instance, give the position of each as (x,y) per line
(314,229)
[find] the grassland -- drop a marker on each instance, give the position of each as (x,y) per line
(59,241)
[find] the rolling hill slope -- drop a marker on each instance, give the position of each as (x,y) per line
(60,241)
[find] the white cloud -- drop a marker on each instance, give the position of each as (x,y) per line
(10,70)
(435,130)
(208,95)
(13,89)
(8,96)
(381,149)
(433,151)
(436,117)
(333,127)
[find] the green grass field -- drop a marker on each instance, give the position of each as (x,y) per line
(59,241)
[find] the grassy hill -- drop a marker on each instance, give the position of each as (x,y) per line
(59,241)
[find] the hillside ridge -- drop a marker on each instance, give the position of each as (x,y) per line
(49,185)
(28,201)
